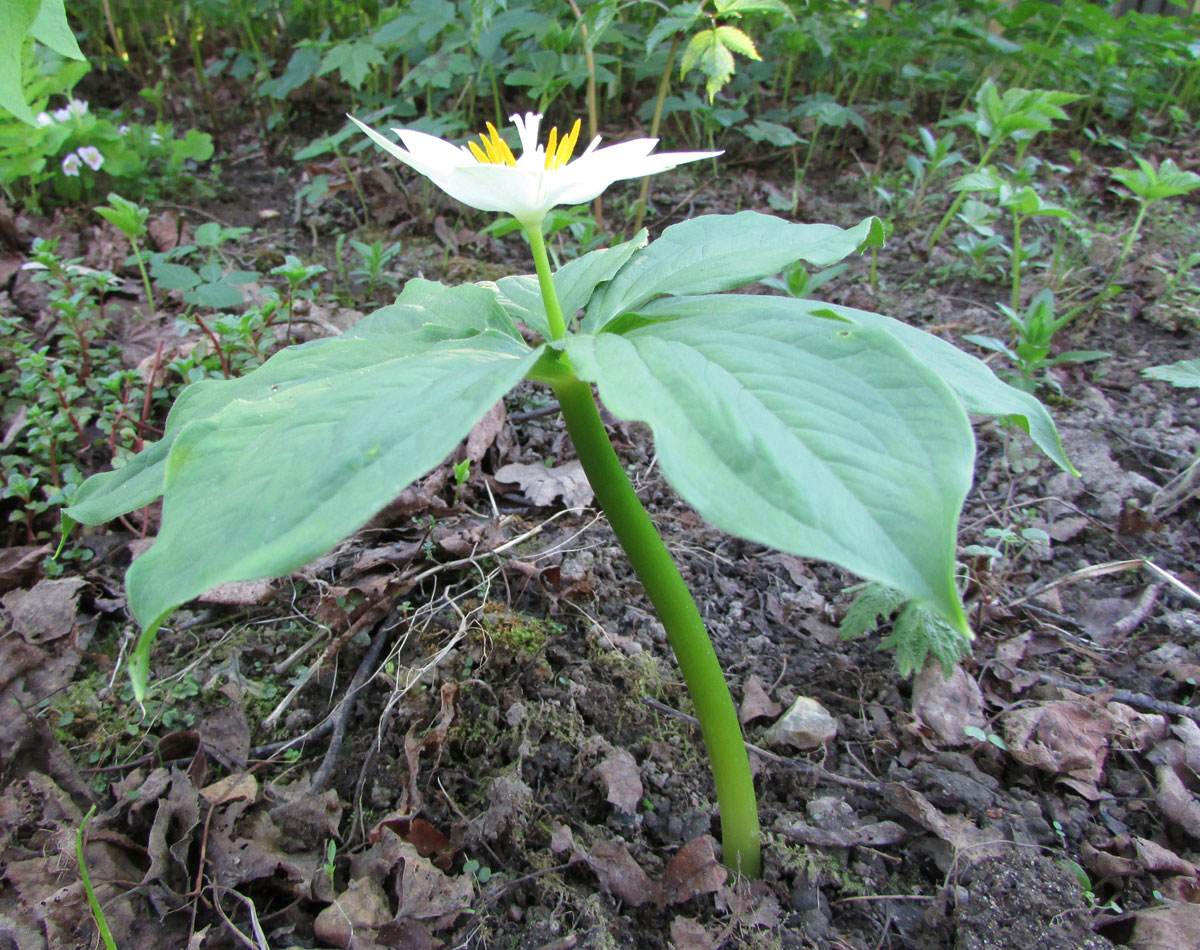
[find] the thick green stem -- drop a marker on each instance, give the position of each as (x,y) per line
(667,592)
(1018,257)
(958,200)
(680,617)
(1126,248)
(541,261)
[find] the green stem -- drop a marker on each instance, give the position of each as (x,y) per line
(680,617)
(1017,259)
(93,902)
(666,589)
(1129,241)
(137,256)
(554,314)
(958,201)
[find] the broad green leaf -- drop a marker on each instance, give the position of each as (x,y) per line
(16,17)
(217,295)
(50,27)
(738,7)
(439,312)
(263,486)
(170,276)
(421,317)
(976,386)
(706,51)
(574,282)
(1150,184)
(734,39)
(816,437)
(1184,374)
(720,252)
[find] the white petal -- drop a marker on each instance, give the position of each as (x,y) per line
(527,130)
(430,151)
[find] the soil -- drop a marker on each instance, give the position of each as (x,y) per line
(513,766)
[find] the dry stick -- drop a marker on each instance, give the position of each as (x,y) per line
(1120,695)
(365,669)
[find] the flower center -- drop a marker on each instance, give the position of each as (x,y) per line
(493,150)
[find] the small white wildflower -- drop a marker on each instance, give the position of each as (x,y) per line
(155,138)
(122,130)
(44,119)
(61,115)
(77,107)
(91,157)
(71,165)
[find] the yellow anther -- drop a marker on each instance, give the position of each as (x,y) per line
(480,154)
(550,145)
(567,146)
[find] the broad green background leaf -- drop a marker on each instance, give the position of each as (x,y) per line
(720,252)
(979,389)
(1185,373)
(420,317)
(575,282)
(263,486)
(819,438)
(16,17)
(50,27)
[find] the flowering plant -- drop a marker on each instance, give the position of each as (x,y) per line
(71,151)
(821,430)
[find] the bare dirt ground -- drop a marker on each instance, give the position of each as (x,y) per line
(464,728)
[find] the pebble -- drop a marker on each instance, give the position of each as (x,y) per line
(806,725)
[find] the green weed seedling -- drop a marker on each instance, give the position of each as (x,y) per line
(1148,185)
(925,169)
(130,219)
(822,430)
(1035,329)
(373,258)
(1015,117)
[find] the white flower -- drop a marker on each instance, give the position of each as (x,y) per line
(43,119)
(155,137)
(486,175)
(91,157)
(122,130)
(61,115)
(77,107)
(71,165)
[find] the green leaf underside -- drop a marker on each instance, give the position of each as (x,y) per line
(977,387)
(814,437)
(574,282)
(263,486)
(406,328)
(720,252)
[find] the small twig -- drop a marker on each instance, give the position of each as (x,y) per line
(1121,696)
(216,346)
(546,410)
(158,351)
(365,669)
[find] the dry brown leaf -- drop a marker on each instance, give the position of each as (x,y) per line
(622,780)
(542,485)
(426,893)
(1176,802)
(693,871)
(562,840)
(756,702)
(361,905)
(1173,927)
(242,785)
(1064,736)
(947,705)
(1158,859)
(620,875)
(485,431)
(1188,732)
(688,934)
(240,594)
(47,611)
(164,231)
(960,833)
(1135,731)
(18,564)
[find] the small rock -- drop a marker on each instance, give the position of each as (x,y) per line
(807,725)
